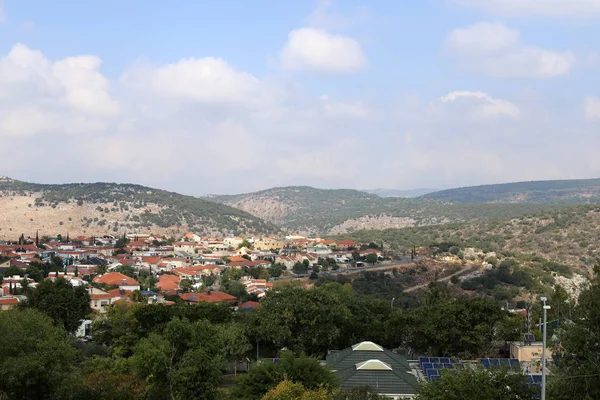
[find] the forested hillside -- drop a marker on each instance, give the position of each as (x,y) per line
(321,211)
(110,207)
(576,191)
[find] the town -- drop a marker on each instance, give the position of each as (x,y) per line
(133,270)
(112,269)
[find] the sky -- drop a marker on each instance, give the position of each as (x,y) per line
(234,96)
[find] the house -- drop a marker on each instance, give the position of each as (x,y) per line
(269,244)
(209,296)
(99,299)
(528,351)
(118,279)
(186,247)
(168,283)
(346,244)
(369,364)
(256,286)
(7,303)
(249,305)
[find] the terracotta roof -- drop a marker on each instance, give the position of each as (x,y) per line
(116,278)
(168,282)
(8,300)
(210,297)
(250,305)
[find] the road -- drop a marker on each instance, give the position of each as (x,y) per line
(404,262)
(444,279)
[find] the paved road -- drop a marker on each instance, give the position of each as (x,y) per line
(444,279)
(404,262)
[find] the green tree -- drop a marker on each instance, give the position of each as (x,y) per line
(288,390)
(276,270)
(300,268)
(66,305)
(463,328)
(182,362)
(576,374)
(479,383)
(372,258)
(35,356)
(266,375)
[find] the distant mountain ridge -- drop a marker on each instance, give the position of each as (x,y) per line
(410,193)
(569,191)
(100,208)
(308,210)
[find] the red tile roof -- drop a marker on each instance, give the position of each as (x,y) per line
(250,305)
(209,297)
(116,278)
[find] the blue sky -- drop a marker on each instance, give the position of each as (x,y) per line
(234,96)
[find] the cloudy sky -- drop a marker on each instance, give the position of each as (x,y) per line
(233,96)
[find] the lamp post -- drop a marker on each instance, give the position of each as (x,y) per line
(392,302)
(546,308)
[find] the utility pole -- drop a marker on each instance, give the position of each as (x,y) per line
(546,308)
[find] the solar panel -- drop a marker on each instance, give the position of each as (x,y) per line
(485,362)
(537,378)
(444,360)
(504,362)
(514,362)
(454,360)
(438,366)
(529,378)
(434,359)
(448,366)
(432,372)
(423,360)
(529,337)
(494,362)
(427,366)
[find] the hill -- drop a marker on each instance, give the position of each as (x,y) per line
(309,210)
(575,191)
(99,208)
(567,235)
(401,193)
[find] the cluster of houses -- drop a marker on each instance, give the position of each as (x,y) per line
(180,267)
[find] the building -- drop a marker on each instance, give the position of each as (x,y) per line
(118,279)
(368,364)
(6,303)
(528,351)
(209,296)
(99,299)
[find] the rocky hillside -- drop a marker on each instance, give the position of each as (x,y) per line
(308,210)
(576,191)
(99,208)
(567,235)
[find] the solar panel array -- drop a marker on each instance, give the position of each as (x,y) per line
(431,366)
(499,362)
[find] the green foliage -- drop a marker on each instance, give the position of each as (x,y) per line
(575,191)
(460,328)
(578,349)
(182,362)
(479,383)
(371,258)
(320,209)
(266,375)
(35,356)
(66,305)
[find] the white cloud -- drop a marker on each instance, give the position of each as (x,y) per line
(494,49)
(554,8)
(482,38)
(231,132)
(592,108)
(315,50)
(43,96)
(484,106)
(200,79)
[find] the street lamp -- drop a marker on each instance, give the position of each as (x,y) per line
(392,302)
(546,308)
